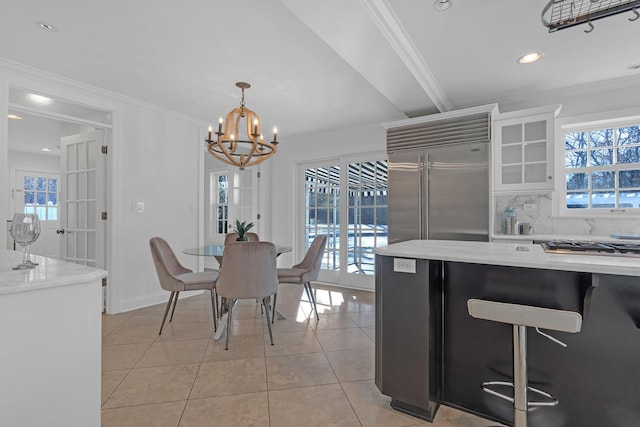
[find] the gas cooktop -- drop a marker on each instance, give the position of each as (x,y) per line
(592,248)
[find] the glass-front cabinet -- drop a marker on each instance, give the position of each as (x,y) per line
(523,149)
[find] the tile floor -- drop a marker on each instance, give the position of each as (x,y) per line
(318,373)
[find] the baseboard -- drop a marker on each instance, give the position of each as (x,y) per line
(148,300)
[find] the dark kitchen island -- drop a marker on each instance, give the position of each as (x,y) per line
(429,351)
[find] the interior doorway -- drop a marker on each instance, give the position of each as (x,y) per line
(58,154)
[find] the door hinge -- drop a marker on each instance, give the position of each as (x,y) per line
(258,216)
(104,149)
(103,216)
(259,174)
(104,281)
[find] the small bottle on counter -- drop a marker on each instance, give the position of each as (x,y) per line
(510,221)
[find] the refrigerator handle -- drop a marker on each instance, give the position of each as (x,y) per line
(424,195)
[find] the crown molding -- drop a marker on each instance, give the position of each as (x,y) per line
(390,26)
(25,72)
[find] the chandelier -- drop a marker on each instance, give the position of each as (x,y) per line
(241,149)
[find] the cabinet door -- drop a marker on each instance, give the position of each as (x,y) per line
(523,153)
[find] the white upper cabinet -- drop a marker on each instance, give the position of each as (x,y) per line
(523,149)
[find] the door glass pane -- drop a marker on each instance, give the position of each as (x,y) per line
(367,205)
(81,245)
(72,186)
(82,215)
(91,155)
(41,184)
(72,158)
(71,215)
(29,183)
(91,215)
(91,185)
(82,156)
(91,245)
(82,185)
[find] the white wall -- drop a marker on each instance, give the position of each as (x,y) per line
(31,161)
(155,158)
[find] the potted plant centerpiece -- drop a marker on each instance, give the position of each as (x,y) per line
(242,228)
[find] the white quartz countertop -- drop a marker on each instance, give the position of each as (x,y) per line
(48,274)
(511,254)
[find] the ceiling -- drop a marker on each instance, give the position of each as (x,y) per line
(316,66)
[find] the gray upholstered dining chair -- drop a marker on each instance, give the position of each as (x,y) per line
(231,237)
(248,271)
(305,272)
(176,278)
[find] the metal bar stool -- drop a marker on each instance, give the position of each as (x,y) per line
(521,316)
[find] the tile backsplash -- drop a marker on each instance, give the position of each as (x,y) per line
(537,210)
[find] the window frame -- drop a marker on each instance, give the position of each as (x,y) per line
(587,123)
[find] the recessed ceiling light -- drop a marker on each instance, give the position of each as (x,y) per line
(14,117)
(39,99)
(529,58)
(46,26)
(441,5)
(48,150)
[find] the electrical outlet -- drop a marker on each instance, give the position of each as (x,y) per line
(528,207)
(404,265)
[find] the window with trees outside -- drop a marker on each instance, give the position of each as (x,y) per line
(40,194)
(602,168)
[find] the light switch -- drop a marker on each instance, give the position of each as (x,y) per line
(137,207)
(404,265)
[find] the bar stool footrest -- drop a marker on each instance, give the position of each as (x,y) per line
(486,386)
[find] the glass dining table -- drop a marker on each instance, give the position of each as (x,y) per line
(217,251)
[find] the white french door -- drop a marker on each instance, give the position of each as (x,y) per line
(230,194)
(347,200)
(82,179)
(244,197)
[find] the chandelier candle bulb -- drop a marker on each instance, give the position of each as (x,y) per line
(210,129)
(220,121)
(275,135)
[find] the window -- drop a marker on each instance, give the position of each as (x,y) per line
(602,168)
(220,199)
(355,224)
(39,194)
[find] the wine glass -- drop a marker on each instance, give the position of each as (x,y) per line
(25,229)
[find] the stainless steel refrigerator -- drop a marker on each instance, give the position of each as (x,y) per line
(439,192)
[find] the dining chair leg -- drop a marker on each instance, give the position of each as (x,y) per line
(265,303)
(175,302)
(166,311)
(313,299)
(231,303)
(258,302)
(273,315)
(213,308)
(217,304)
